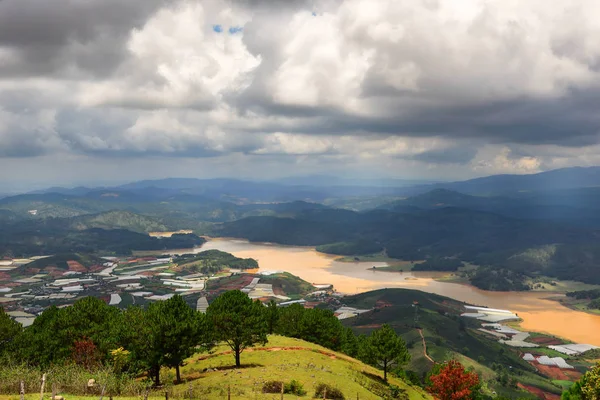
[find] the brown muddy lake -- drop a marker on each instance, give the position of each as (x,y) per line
(537,311)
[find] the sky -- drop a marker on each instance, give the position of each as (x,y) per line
(113,91)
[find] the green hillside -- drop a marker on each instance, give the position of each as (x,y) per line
(75,262)
(446,336)
(210,376)
(119,220)
(285,359)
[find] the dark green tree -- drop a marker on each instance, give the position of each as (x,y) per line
(177,330)
(52,336)
(136,335)
(386,348)
(272,316)
(9,331)
(238,321)
(350,344)
(290,318)
(45,342)
(321,327)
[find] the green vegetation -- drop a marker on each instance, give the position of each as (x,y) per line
(287,283)
(60,262)
(498,279)
(447,336)
(439,264)
(55,236)
(351,248)
(213,261)
(238,321)
(119,219)
(385,348)
(91,339)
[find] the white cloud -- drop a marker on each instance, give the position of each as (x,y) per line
(450,87)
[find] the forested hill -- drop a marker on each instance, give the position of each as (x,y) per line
(482,238)
(441,232)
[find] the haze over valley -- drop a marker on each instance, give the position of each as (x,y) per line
(336,199)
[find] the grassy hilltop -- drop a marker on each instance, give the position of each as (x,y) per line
(281,359)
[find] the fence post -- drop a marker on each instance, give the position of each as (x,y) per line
(325,393)
(22,391)
(281,390)
(146,394)
(42,388)
(229,392)
(167,395)
(191,391)
(102,392)
(53,391)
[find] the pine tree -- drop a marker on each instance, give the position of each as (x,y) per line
(386,349)
(238,321)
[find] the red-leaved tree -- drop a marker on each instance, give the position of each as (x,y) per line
(453,382)
(85,353)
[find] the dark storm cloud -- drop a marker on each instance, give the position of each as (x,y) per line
(53,37)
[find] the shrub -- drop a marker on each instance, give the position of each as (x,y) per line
(272,387)
(294,387)
(330,391)
(397,392)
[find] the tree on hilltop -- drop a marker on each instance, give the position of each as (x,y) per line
(385,349)
(238,321)
(177,330)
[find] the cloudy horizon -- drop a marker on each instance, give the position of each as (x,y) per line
(111,91)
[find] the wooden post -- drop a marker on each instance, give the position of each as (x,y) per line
(102,392)
(167,395)
(42,388)
(53,391)
(191,389)
(146,394)
(229,392)
(325,393)
(22,392)
(282,390)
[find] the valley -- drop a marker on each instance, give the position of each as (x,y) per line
(538,311)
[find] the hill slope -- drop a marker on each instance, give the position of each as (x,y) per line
(285,359)
(119,220)
(445,335)
(61,263)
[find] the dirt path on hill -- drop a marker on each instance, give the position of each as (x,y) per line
(425,346)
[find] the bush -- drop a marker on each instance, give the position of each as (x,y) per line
(397,392)
(272,387)
(331,392)
(294,387)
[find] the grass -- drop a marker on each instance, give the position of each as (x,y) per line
(578,305)
(566,385)
(561,286)
(210,376)
(310,365)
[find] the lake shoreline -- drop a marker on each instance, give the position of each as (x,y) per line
(538,312)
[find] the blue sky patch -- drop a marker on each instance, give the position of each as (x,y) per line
(217,28)
(235,29)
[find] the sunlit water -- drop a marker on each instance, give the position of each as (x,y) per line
(538,313)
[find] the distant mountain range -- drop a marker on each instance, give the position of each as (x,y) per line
(497,221)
